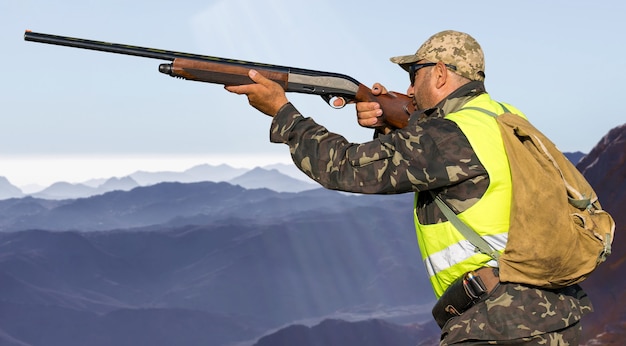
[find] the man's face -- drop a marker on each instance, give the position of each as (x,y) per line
(420,76)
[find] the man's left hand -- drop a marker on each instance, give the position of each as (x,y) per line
(265,95)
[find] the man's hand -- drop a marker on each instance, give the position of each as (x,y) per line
(369,114)
(265,95)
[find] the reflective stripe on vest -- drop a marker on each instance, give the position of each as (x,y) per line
(447,255)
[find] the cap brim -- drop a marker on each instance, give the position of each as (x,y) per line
(404,60)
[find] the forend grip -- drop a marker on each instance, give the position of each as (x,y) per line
(397,107)
(220,72)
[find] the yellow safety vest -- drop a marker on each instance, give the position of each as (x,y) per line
(445,252)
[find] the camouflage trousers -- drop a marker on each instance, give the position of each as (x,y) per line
(515,314)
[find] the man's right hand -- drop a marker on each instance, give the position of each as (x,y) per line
(369,114)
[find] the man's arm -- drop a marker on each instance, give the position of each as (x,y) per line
(322,155)
(401,161)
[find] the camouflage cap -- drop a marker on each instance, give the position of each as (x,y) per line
(453,48)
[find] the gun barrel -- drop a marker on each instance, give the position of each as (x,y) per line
(112,47)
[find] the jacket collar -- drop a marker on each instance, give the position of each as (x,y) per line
(455,100)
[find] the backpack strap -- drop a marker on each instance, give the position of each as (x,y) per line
(506,110)
(469,233)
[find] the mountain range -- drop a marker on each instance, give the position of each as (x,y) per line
(216,263)
(278,177)
(245,268)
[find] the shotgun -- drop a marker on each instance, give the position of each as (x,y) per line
(330,86)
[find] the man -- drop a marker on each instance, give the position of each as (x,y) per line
(449,149)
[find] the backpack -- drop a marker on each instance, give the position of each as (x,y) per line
(558,231)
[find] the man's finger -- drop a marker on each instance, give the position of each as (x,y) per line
(238,89)
(367,106)
(258,78)
(378,89)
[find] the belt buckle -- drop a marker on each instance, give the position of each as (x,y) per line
(474,286)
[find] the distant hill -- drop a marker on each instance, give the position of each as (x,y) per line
(204,172)
(259,178)
(574,157)
(8,190)
(605,169)
(361,333)
(63,190)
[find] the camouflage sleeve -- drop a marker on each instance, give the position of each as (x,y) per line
(422,156)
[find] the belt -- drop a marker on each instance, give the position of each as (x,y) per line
(472,288)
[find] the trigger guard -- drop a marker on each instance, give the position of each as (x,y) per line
(330,98)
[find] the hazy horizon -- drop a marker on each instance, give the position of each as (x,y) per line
(44,170)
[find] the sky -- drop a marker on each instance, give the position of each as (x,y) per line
(71,115)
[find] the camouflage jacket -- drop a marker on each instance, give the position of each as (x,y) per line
(430,153)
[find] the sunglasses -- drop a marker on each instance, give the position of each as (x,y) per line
(415,67)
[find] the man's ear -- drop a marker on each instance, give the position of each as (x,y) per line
(441,73)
